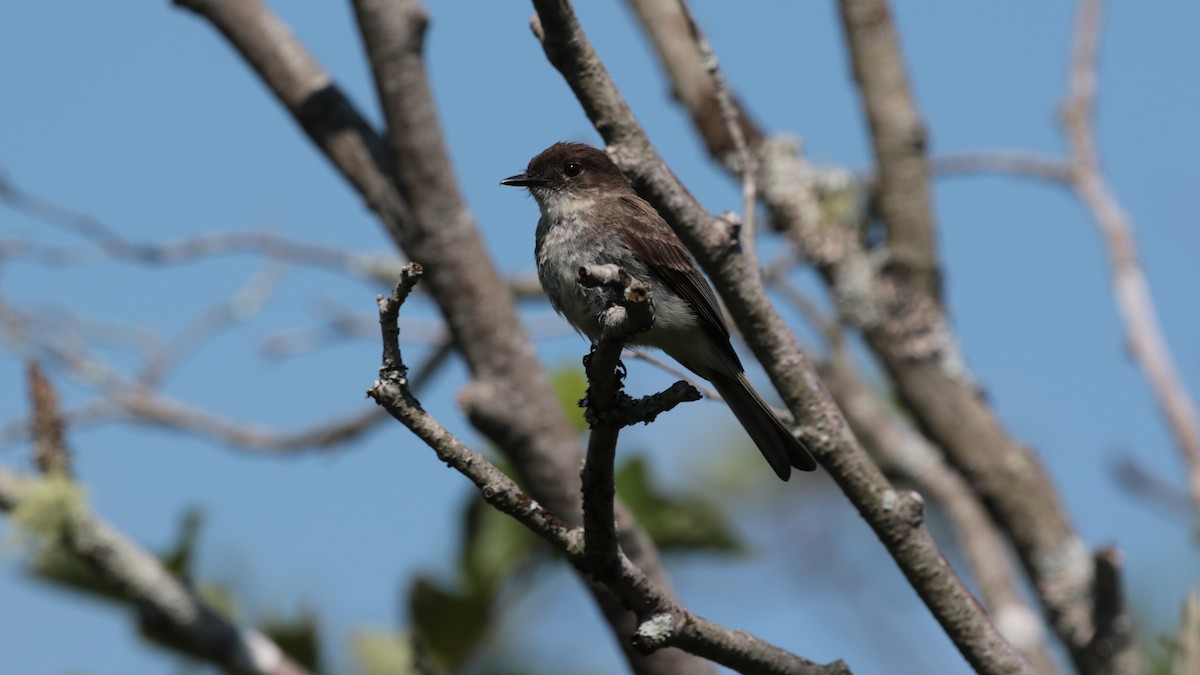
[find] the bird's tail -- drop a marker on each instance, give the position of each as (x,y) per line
(782,450)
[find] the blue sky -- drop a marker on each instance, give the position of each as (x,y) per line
(140,115)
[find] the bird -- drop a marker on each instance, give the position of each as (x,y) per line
(591,215)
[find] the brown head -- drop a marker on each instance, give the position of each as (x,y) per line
(573,168)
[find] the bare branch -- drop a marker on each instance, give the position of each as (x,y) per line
(895,516)
(1152,489)
(160,410)
(1082,173)
(1130,286)
(629,313)
(238,308)
(50,452)
(669,26)
(662,622)
(169,610)
(898,136)
(1005,162)
(696,383)
(124,398)
(479,312)
(904,453)
(112,244)
(905,326)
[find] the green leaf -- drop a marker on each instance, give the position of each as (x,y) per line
(452,620)
(494,547)
(451,624)
(298,637)
(178,558)
(379,652)
(570,385)
(678,523)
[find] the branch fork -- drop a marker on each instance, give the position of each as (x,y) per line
(631,312)
(662,622)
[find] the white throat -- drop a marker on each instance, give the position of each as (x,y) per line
(558,205)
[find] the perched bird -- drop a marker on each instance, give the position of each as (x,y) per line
(591,215)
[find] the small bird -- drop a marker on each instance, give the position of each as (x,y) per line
(591,215)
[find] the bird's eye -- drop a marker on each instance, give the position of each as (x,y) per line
(572,170)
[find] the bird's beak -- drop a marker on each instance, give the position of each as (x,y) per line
(523,180)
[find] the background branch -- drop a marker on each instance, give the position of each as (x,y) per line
(1082,173)
(408,182)
(899,311)
(169,610)
(903,194)
(1130,287)
(896,518)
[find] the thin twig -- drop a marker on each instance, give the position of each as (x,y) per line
(1016,163)
(1131,289)
(675,371)
(115,246)
(125,399)
(239,308)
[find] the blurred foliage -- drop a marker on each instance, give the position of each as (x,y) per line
(298,637)
(378,652)
(679,523)
(180,556)
(453,620)
(570,386)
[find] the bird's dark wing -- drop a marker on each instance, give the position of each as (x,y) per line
(652,240)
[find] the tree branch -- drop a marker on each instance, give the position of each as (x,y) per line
(1004,162)
(906,327)
(898,137)
(627,315)
(408,182)
(895,516)
(905,454)
(1130,286)
(661,621)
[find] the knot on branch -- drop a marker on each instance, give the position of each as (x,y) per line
(909,504)
(655,632)
(729,225)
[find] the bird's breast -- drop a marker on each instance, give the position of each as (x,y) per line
(563,246)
